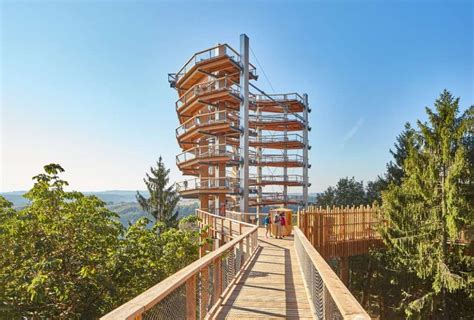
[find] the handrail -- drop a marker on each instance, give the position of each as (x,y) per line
(223,116)
(270,177)
(208,54)
(223,83)
(202,152)
(208,183)
(269,118)
(278,138)
(279,97)
(181,289)
(271,158)
(329,296)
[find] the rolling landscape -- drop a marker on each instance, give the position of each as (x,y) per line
(122,202)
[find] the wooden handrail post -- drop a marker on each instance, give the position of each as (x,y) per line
(191,298)
(241,250)
(247,245)
(222,233)
(204,292)
(217,278)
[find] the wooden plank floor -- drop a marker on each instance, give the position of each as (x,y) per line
(271,287)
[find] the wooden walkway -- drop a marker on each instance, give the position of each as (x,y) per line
(271,287)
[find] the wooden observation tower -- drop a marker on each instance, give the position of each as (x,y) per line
(238,144)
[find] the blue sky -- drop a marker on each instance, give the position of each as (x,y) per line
(84,84)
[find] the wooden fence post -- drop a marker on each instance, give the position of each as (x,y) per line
(191,298)
(204,292)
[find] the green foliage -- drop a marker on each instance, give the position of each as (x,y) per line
(427,211)
(67,256)
(395,171)
(163,198)
(350,192)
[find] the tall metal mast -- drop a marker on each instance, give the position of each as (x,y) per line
(244,123)
(305,150)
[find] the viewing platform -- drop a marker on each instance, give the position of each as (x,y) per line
(292,180)
(288,142)
(192,188)
(273,102)
(208,93)
(221,58)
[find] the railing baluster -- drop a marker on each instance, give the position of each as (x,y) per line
(204,291)
(191,298)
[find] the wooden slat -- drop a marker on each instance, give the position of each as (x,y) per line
(271,286)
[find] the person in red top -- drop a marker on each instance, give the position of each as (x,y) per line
(283,224)
(222,210)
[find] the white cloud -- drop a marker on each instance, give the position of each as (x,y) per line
(351,133)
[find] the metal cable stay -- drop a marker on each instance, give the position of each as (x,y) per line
(282,105)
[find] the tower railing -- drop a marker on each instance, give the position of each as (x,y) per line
(268,178)
(270,118)
(205,56)
(208,183)
(280,97)
(214,85)
(294,137)
(203,152)
(223,116)
(278,158)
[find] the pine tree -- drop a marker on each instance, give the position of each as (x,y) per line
(426,213)
(394,168)
(163,198)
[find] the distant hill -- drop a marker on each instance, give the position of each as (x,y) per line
(109,197)
(130,212)
(122,202)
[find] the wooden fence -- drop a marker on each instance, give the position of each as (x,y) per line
(341,231)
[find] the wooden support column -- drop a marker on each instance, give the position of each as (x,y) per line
(204,292)
(344,270)
(218,278)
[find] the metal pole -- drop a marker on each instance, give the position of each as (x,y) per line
(259,158)
(305,151)
(244,123)
(285,157)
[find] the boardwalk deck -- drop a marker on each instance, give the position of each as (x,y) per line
(271,287)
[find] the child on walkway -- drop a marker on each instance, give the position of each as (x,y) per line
(267,222)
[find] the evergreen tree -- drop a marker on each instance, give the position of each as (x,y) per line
(163,198)
(427,211)
(395,168)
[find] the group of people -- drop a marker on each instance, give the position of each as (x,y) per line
(279,221)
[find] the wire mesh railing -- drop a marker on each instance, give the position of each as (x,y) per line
(196,291)
(329,297)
